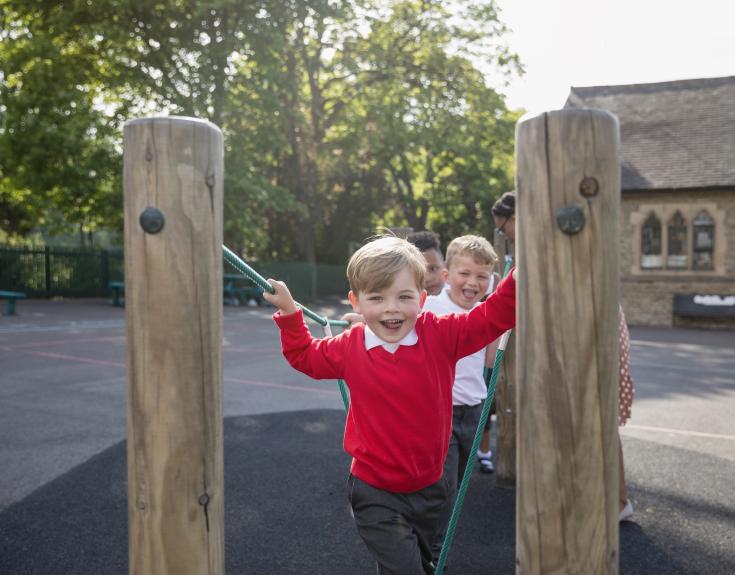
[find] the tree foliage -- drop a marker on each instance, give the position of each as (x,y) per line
(57,148)
(339,116)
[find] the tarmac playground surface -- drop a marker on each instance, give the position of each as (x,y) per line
(63,470)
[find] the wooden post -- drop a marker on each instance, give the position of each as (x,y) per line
(568,176)
(505,396)
(506,409)
(173,173)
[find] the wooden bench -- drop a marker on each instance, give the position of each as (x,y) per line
(11,297)
(238,289)
(118,293)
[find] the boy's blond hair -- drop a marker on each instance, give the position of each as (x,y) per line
(476,247)
(374,266)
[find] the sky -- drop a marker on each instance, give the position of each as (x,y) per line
(565,43)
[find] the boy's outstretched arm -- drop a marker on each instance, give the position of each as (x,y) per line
(317,358)
(282,299)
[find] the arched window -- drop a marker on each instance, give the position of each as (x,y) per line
(651,243)
(677,245)
(703,238)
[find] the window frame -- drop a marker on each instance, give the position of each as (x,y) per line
(650,259)
(677,224)
(703,223)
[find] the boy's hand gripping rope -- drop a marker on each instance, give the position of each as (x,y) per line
(234,260)
(449,537)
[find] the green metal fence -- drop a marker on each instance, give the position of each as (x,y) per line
(51,272)
(306,281)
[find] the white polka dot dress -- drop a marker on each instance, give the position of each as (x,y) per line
(626,390)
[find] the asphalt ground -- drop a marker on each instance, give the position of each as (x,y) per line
(63,468)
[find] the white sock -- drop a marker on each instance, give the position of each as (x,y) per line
(484,455)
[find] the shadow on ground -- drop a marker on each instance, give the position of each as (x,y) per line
(286,513)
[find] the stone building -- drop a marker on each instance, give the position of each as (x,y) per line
(677,234)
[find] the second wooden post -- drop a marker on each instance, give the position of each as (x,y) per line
(568,186)
(506,395)
(173,173)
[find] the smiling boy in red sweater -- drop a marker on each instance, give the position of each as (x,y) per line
(399,367)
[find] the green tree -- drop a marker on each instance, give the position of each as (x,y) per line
(73,72)
(388,121)
(57,149)
(442,137)
(338,116)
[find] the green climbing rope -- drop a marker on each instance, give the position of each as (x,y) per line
(236,262)
(449,537)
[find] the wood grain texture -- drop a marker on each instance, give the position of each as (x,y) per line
(505,396)
(567,344)
(173,284)
(506,414)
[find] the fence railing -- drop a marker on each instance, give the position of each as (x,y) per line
(67,272)
(306,281)
(51,272)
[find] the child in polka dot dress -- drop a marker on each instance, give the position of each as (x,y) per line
(626,391)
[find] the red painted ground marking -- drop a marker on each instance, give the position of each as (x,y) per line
(680,431)
(226,379)
(73,358)
(22,346)
(282,386)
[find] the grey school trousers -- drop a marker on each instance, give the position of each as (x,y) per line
(464,426)
(398,528)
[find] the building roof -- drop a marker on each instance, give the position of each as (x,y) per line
(674,135)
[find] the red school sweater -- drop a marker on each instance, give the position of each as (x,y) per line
(400,416)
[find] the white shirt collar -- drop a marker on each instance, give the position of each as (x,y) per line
(372,340)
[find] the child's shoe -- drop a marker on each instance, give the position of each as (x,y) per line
(627,513)
(486,463)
